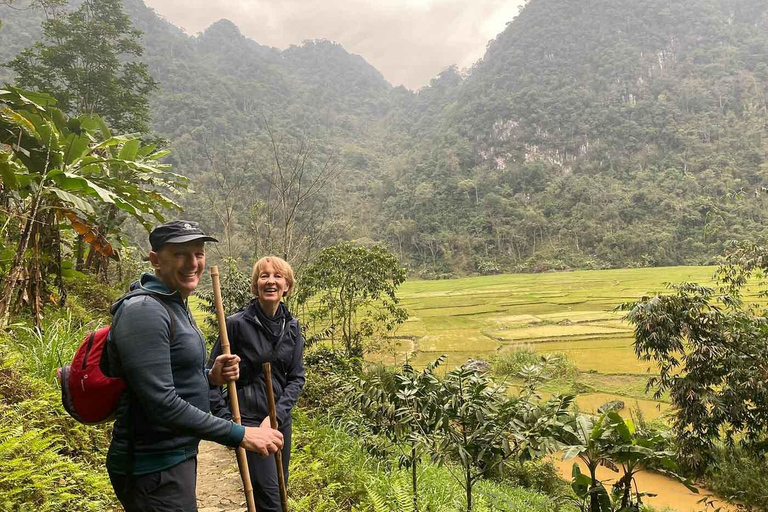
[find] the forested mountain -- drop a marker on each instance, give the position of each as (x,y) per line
(592,133)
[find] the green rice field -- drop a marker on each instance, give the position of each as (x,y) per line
(568,313)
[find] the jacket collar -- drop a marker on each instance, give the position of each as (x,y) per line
(249,313)
(151,283)
(148,283)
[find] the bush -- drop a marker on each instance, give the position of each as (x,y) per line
(46,350)
(35,476)
(90,293)
(510,364)
(48,461)
(740,477)
(325,370)
(538,475)
(331,471)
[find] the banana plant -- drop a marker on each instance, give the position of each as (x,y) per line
(56,169)
(613,442)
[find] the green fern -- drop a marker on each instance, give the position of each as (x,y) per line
(403,499)
(34,474)
(377,501)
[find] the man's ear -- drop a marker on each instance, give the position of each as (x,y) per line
(154,259)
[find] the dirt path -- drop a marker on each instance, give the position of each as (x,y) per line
(219,488)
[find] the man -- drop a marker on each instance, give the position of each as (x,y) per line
(156,347)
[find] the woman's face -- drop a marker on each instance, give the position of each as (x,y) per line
(271,285)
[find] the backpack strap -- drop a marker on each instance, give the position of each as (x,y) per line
(167,310)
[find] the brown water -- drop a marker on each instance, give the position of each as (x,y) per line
(672,495)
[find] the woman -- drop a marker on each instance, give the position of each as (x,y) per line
(265,331)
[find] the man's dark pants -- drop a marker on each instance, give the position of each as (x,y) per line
(170,490)
(266,491)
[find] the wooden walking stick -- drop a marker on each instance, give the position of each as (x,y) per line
(273,422)
(242,460)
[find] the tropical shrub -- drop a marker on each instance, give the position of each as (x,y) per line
(712,357)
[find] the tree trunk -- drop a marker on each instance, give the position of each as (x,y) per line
(79,254)
(413,478)
(17,266)
(594,502)
(469,489)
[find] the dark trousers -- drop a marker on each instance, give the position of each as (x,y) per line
(170,490)
(263,472)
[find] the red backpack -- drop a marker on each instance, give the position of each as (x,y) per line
(87,394)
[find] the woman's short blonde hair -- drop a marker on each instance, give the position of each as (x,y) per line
(278,264)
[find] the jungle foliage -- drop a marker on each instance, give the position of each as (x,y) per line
(592,134)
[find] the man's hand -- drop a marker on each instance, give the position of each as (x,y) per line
(225,368)
(262,440)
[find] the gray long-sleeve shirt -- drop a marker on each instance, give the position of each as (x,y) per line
(162,359)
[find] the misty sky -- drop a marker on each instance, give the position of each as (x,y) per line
(409,41)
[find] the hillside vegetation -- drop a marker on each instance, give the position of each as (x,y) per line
(591,134)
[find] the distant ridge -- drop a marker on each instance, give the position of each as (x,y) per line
(601,133)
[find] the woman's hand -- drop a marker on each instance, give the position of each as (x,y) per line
(225,368)
(265,423)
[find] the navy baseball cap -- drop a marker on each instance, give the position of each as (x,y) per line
(177,232)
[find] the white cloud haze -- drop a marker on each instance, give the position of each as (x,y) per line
(409,41)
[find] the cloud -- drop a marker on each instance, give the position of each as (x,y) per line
(409,41)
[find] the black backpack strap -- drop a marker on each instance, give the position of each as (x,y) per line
(167,310)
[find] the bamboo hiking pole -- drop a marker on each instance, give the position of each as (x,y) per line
(273,422)
(242,460)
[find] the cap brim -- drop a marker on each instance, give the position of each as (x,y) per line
(188,238)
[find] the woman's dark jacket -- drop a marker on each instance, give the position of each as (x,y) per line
(249,340)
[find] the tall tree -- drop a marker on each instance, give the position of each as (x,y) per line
(346,280)
(85,62)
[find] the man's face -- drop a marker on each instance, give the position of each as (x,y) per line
(180,266)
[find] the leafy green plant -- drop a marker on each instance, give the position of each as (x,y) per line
(35,476)
(613,442)
(479,426)
(48,461)
(70,171)
(510,364)
(710,350)
(331,471)
(403,501)
(399,409)
(739,476)
(348,280)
